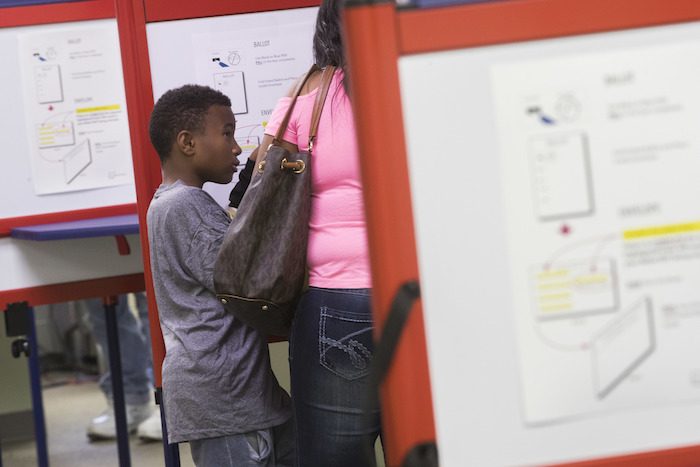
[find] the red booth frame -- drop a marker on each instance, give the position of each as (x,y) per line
(73,290)
(377,35)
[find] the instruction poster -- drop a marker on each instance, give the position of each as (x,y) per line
(254,68)
(75,108)
(603,228)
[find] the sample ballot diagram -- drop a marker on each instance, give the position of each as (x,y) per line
(586,329)
(76,161)
(586,361)
(561,175)
(53,135)
(49,84)
(232,83)
(622,346)
(575,288)
(597,157)
(565,108)
(57,144)
(75,109)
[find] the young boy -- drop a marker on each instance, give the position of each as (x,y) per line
(219,390)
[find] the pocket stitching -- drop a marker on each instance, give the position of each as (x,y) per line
(324,343)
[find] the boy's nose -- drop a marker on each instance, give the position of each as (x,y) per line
(236,150)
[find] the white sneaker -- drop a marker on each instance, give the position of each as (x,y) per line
(151,429)
(104,426)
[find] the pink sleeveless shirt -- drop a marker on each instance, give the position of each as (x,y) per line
(337,256)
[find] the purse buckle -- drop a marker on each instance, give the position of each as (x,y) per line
(297,166)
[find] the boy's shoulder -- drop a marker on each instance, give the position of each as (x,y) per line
(185,207)
(180,195)
(183,201)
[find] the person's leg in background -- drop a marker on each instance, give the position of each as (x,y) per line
(150,429)
(330,351)
(135,360)
(142,309)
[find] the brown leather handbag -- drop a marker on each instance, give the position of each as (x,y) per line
(260,272)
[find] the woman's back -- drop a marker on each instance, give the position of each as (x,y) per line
(337,255)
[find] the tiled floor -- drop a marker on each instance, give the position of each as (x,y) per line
(68,409)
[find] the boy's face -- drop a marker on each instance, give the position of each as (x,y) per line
(215,158)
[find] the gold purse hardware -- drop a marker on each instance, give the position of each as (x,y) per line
(296,166)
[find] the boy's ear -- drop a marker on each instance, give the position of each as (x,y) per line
(185,142)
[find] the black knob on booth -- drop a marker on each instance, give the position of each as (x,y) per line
(19,347)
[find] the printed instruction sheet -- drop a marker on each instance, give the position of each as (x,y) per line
(75,109)
(254,68)
(603,230)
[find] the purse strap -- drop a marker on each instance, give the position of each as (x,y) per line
(285,121)
(326,78)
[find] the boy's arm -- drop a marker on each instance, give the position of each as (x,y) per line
(203,252)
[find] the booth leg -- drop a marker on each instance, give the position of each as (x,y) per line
(42,453)
(19,321)
(115,368)
(170,451)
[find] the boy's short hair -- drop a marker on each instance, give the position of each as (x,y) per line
(181,109)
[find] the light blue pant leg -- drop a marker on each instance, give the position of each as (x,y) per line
(272,447)
(142,307)
(135,350)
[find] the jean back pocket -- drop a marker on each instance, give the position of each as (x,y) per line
(345,342)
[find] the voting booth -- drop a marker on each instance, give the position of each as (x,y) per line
(68,229)
(535,163)
(67,154)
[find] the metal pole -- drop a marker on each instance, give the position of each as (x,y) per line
(170,451)
(115,368)
(42,453)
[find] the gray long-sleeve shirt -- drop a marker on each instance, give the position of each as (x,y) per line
(217,379)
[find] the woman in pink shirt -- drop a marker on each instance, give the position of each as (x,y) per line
(331,339)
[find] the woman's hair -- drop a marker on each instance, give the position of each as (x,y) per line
(328,43)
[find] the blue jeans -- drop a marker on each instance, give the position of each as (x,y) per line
(134,346)
(330,351)
(272,447)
